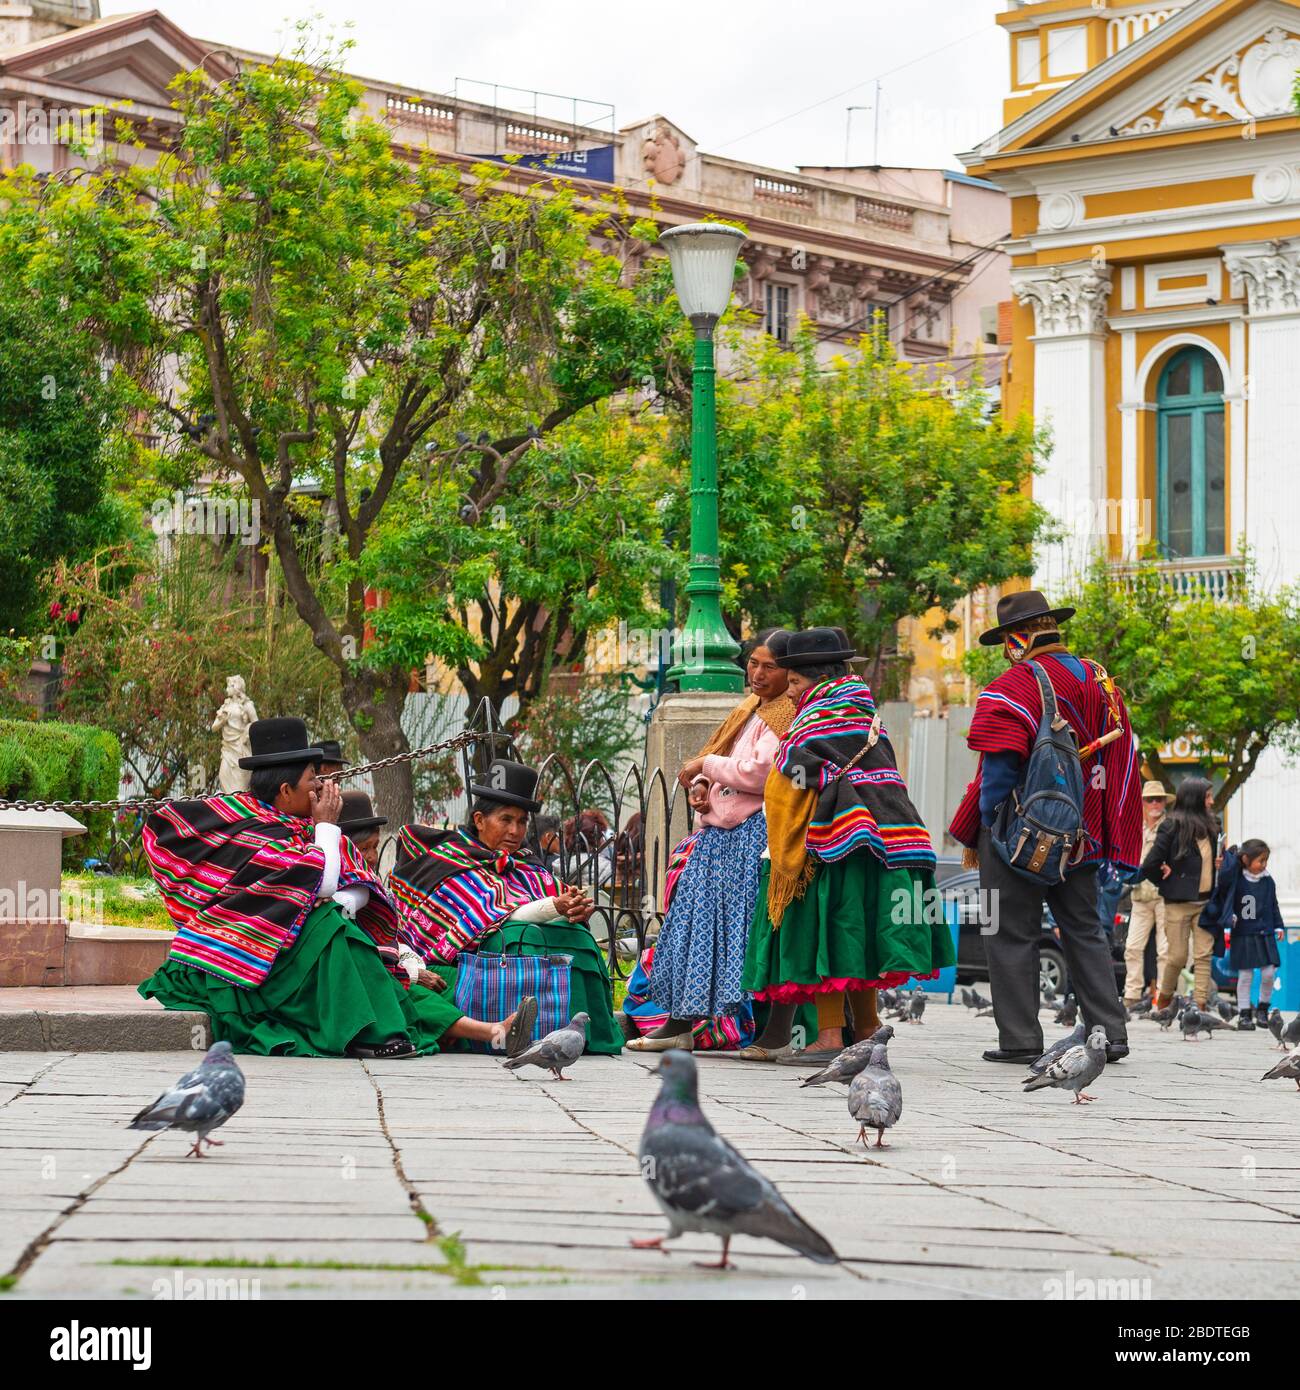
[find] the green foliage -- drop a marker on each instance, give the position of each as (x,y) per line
(51,761)
(862,492)
(1220,671)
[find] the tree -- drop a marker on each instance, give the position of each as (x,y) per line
(1218,671)
(863,492)
(311,310)
(58,451)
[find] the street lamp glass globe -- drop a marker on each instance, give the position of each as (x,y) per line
(703,257)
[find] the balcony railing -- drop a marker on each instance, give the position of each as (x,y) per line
(1212,576)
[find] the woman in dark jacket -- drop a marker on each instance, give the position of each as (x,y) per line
(1182,865)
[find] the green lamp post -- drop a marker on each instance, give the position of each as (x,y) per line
(703,258)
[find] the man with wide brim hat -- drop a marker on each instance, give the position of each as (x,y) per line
(1003,731)
(1147,914)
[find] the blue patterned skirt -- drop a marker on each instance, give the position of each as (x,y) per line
(701,949)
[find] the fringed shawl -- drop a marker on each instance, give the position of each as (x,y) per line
(238,879)
(1006,721)
(867,808)
(450,888)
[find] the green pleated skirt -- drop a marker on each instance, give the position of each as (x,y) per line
(328,990)
(857,924)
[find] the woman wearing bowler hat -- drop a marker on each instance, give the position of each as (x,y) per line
(846,901)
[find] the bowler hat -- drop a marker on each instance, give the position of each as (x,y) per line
(277,741)
(332,750)
(816,646)
(358,814)
(510,783)
(1014,610)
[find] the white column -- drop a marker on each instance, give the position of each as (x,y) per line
(1069,303)
(1269,274)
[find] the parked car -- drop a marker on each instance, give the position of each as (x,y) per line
(962,886)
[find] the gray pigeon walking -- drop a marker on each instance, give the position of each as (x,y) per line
(1288,1069)
(703,1184)
(1190,1023)
(201,1101)
(1171,1012)
(1075,1039)
(1207,1022)
(851,1061)
(1075,1068)
(1291,1033)
(1276,1025)
(1227,1009)
(916,1006)
(876,1097)
(556,1050)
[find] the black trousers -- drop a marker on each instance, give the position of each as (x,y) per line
(1012,950)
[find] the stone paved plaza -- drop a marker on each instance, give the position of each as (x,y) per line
(1182,1173)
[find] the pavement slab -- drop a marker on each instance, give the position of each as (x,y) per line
(450,1177)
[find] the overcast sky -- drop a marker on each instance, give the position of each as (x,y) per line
(737,78)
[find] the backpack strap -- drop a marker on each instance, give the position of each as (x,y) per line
(1049,696)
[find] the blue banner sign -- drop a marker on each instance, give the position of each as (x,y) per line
(597,164)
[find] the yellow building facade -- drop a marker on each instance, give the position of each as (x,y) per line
(1152,153)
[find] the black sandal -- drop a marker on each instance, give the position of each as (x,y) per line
(520,1032)
(395,1049)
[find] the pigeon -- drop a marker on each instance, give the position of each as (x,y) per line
(978,1001)
(888,999)
(1068,1014)
(917,1005)
(967,999)
(851,1061)
(1075,1039)
(1287,1069)
(556,1050)
(201,1101)
(1144,1005)
(1208,1022)
(1075,1068)
(1227,1009)
(876,1097)
(703,1184)
(1190,1022)
(1169,1015)
(1291,1033)
(1275,1026)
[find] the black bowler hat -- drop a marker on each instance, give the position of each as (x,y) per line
(510,783)
(332,750)
(276,741)
(816,646)
(358,814)
(1014,610)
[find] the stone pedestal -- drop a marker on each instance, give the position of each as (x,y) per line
(32,929)
(679,727)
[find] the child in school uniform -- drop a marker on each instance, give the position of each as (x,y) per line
(1245,901)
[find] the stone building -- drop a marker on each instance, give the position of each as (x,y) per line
(1152,156)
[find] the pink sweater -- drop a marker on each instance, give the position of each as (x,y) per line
(736,781)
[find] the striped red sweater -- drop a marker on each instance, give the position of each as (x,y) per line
(1006,720)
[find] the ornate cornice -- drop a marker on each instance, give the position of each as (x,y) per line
(1269,274)
(1066,299)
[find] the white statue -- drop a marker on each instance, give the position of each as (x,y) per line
(232,721)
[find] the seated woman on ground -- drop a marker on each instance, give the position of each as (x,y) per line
(286,938)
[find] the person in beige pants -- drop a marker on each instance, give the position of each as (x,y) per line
(1148,910)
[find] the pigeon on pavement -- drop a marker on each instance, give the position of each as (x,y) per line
(556,1050)
(888,999)
(1227,1009)
(1291,1033)
(1169,1015)
(1075,1039)
(1288,1069)
(201,1101)
(1068,1014)
(703,1184)
(851,1061)
(916,1006)
(1075,1068)
(1209,1023)
(876,1097)
(1276,1024)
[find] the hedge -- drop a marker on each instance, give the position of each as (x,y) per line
(49,761)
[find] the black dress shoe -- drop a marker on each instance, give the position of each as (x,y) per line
(1116,1052)
(1019,1055)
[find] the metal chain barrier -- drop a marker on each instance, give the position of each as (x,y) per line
(151,803)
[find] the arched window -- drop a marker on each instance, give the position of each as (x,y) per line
(1191,498)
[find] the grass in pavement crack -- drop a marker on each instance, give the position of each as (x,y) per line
(453,1265)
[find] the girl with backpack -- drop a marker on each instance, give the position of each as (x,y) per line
(1182,864)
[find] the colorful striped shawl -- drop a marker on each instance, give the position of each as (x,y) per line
(866,809)
(238,879)
(450,888)
(1006,721)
